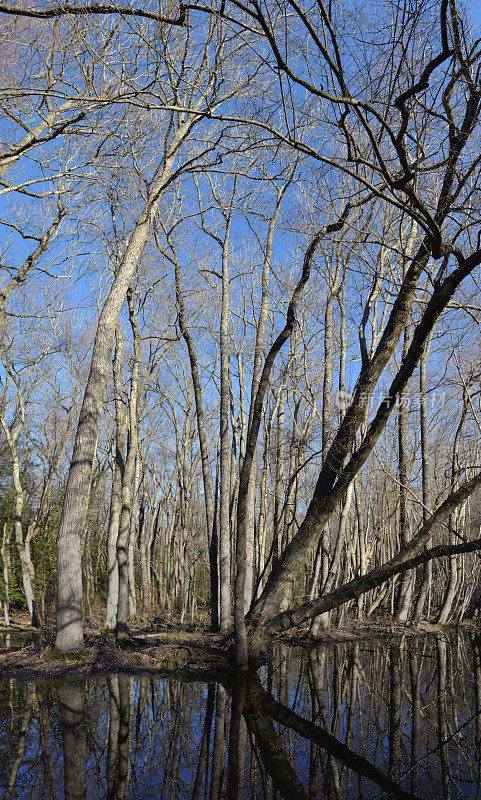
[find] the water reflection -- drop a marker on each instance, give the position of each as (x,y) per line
(348,721)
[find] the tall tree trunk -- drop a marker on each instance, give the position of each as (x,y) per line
(121,627)
(454,519)
(241,649)
(203,445)
(75,504)
(4,554)
(279,476)
(259,346)
(132,538)
(333,478)
(116,491)
(224,462)
(26,566)
(425,586)
(147,527)
(404,473)
(326,431)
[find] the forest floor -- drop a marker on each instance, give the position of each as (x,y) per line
(168,648)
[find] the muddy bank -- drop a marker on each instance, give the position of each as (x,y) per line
(191,655)
(185,653)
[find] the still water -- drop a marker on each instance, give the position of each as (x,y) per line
(365,720)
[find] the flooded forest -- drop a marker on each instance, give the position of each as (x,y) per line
(240,399)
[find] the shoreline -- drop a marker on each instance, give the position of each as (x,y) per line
(187,655)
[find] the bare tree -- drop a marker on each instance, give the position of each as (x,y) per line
(201,93)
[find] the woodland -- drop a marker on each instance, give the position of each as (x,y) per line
(239,317)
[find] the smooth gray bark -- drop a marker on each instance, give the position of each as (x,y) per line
(427,480)
(116,490)
(203,444)
(240,633)
(69,588)
(27,569)
(123,537)
(224,461)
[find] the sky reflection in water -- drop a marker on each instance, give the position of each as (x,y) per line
(365,720)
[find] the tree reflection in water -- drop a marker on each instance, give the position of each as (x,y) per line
(361,720)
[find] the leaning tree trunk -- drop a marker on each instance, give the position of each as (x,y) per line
(74,510)
(241,644)
(69,593)
(333,481)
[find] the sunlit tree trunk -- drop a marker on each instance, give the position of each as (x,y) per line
(121,626)
(116,491)
(5,557)
(69,571)
(454,522)
(203,443)
(11,433)
(427,479)
(225,442)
